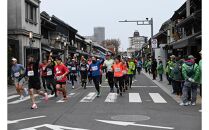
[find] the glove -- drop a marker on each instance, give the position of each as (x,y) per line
(191,80)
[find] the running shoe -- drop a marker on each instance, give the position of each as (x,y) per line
(34,106)
(98,94)
(193,104)
(184,104)
(21,97)
(46,97)
(73,87)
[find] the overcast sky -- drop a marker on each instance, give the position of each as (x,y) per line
(84,15)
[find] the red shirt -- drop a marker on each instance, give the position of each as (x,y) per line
(43,67)
(60,70)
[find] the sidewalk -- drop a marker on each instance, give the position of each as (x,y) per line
(168,88)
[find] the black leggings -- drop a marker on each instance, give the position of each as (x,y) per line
(130,77)
(96,80)
(51,81)
(110,77)
(120,80)
(43,78)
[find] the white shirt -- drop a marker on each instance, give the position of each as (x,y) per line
(109,64)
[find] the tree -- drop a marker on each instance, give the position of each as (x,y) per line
(112,43)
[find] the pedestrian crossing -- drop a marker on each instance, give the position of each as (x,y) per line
(156,98)
(104,86)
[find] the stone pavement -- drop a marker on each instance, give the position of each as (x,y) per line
(168,88)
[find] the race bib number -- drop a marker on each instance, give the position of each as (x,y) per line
(30,73)
(82,68)
(73,68)
(94,68)
(68,67)
(58,77)
(117,69)
(17,74)
(49,72)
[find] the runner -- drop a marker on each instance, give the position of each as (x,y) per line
(73,72)
(43,73)
(89,72)
(131,68)
(17,73)
(50,76)
(139,65)
(94,68)
(110,76)
(61,71)
(34,80)
(118,74)
(84,72)
(100,77)
(125,75)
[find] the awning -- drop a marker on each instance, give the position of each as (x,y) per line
(188,41)
(160,33)
(51,48)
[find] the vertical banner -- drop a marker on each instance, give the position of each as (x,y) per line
(154,43)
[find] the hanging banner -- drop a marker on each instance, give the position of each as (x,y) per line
(154,43)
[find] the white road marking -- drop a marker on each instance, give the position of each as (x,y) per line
(69,95)
(52,127)
(24,99)
(13,96)
(123,123)
(157,98)
(16,121)
(131,86)
(89,98)
(111,97)
(135,97)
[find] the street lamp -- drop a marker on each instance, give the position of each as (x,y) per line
(144,22)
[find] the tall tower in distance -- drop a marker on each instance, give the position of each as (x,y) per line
(99,34)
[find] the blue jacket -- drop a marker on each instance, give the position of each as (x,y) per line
(95,68)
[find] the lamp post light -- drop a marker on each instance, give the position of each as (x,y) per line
(144,22)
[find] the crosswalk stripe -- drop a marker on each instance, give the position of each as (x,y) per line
(134,97)
(24,99)
(89,98)
(71,94)
(157,98)
(13,96)
(131,86)
(111,97)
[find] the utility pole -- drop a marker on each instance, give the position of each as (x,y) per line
(144,22)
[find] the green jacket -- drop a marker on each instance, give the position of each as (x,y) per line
(160,68)
(170,66)
(149,64)
(200,67)
(196,70)
(131,67)
(176,72)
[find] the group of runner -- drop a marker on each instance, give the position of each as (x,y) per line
(55,74)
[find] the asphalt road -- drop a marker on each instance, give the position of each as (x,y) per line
(144,107)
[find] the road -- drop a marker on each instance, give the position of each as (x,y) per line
(146,107)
